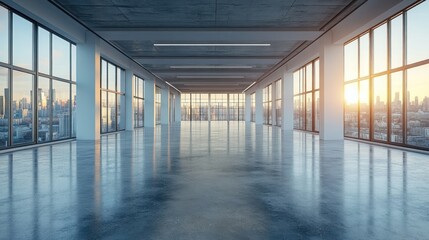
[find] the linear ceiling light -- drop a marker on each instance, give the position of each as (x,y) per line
(209,77)
(209,67)
(212,44)
(248,87)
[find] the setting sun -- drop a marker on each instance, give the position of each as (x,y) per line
(351,95)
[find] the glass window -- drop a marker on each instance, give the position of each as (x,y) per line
(60,57)
(61,121)
(309,112)
(44,110)
(105,119)
(73,105)
(4,107)
(309,77)
(364,55)
(351,110)
(351,60)
(417,33)
(111,75)
(22,110)
(396,42)
(380,48)
(103,74)
(111,112)
(22,42)
(380,108)
(418,106)
(296,80)
(396,106)
(364,109)
(44,51)
(4,35)
(73,65)
(121,111)
(316,111)
(316,74)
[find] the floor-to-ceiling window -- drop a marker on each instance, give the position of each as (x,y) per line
(267,103)
(157,105)
(223,107)
(236,107)
(185,102)
(306,97)
(138,102)
(37,82)
(386,73)
(252,107)
(278,102)
(112,97)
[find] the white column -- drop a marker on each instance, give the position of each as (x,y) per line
(259,110)
(165,105)
(149,103)
(88,88)
(331,92)
(129,100)
(247,107)
(287,98)
(178,109)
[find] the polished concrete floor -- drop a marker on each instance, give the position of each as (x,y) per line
(217,181)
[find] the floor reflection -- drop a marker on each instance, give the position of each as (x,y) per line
(213,181)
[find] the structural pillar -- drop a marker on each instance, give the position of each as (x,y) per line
(88,88)
(331,92)
(165,105)
(149,103)
(287,104)
(129,100)
(178,108)
(247,107)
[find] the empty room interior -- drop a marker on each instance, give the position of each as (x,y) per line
(214,119)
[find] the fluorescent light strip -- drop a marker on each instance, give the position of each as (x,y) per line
(209,77)
(248,87)
(209,67)
(212,44)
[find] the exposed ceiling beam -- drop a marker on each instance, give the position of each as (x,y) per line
(209,35)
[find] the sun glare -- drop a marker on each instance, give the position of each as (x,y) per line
(351,95)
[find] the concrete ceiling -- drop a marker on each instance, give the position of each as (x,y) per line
(136,25)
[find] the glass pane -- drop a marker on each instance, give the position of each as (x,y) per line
(418,106)
(22,107)
(141,112)
(396,41)
(316,74)
(61,121)
(60,57)
(43,110)
(120,80)
(417,33)
(73,99)
(4,36)
(296,110)
(380,48)
(111,77)
(351,110)
(111,112)
(204,110)
(121,111)
(396,107)
(73,63)
(309,112)
(364,111)
(316,111)
(380,108)
(44,51)
(103,74)
(22,42)
(104,113)
(364,55)
(296,89)
(351,61)
(4,107)
(141,88)
(309,77)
